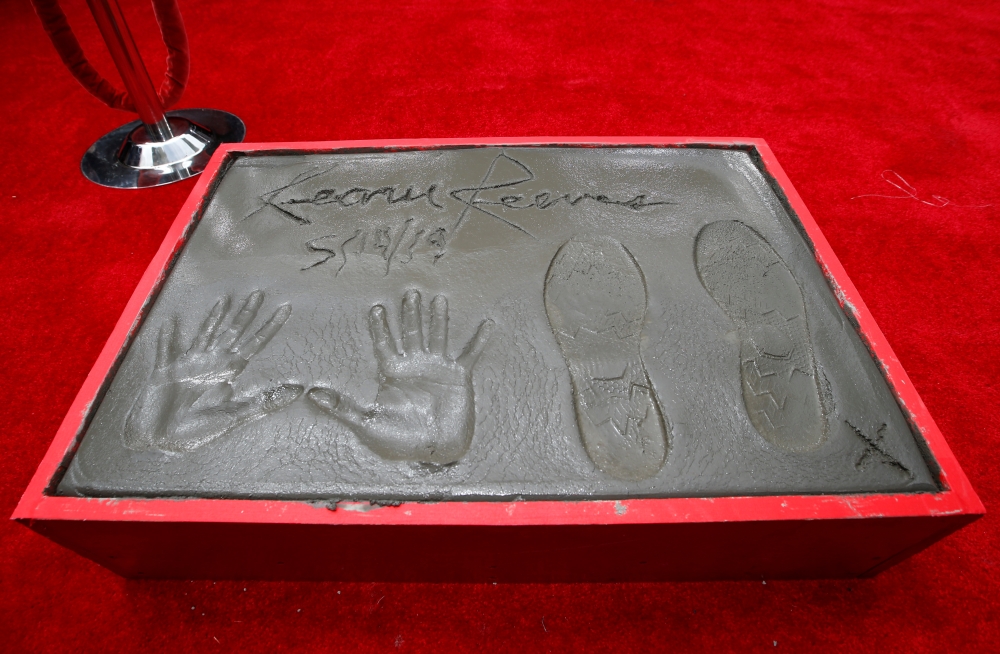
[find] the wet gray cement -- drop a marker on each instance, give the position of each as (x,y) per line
(587,323)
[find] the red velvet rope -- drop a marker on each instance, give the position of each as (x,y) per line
(168,17)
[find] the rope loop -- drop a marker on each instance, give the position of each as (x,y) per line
(168,17)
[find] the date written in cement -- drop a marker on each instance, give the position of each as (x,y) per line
(495,198)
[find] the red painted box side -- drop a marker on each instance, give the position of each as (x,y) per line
(677,538)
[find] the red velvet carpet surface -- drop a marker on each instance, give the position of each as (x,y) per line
(885,115)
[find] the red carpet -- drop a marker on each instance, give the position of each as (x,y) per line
(842,90)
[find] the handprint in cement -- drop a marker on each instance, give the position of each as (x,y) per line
(425,409)
(189,399)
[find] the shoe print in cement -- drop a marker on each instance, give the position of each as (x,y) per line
(595,299)
(752,285)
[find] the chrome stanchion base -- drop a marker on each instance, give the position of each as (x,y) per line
(128,158)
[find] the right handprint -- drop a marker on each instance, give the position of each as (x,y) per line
(425,409)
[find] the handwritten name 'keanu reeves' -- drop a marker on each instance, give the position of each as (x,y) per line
(470,196)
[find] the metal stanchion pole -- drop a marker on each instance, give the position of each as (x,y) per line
(126,56)
(161,147)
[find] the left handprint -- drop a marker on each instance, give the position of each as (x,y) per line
(188,400)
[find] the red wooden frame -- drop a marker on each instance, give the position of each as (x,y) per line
(676,538)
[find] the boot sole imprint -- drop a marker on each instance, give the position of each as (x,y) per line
(754,287)
(595,300)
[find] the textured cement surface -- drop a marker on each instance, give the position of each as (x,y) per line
(666,367)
